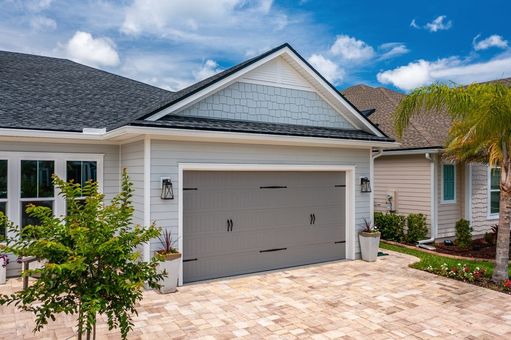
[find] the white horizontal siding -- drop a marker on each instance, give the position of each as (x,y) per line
(278,72)
(132,159)
(410,177)
(166,156)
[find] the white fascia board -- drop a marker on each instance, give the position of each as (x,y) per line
(246,138)
(410,152)
(122,134)
(230,79)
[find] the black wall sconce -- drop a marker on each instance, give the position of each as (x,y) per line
(167,191)
(365,184)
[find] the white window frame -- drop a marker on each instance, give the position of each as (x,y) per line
(489,190)
(6,200)
(14,178)
(453,201)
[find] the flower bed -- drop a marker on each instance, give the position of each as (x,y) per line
(471,271)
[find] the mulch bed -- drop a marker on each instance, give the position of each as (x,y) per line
(480,249)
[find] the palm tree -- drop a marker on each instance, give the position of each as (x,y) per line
(480,131)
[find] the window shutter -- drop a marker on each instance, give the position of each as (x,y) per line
(449,185)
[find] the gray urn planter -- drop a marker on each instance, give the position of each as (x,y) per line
(369,245)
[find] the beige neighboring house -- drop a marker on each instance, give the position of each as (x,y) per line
(416,178)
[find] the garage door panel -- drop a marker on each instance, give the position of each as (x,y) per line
(250,262)
(276,216)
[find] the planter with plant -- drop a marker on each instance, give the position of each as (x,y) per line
(4,261)
(169,266)
(369,239)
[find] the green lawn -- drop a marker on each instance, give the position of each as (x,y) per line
(427,259)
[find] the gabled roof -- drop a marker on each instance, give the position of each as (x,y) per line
(206,86)
(424,131)
(46,93)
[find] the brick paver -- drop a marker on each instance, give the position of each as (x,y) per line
(346,300)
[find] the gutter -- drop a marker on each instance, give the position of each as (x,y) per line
(433,217)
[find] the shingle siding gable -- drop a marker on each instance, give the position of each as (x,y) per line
(271,104)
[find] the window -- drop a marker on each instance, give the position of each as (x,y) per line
(3,195)
(494,190)
(448,183)
(36,187)
(80,172)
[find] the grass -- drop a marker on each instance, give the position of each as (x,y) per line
(435,261)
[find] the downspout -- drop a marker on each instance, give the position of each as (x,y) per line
(433,200)
(371,178)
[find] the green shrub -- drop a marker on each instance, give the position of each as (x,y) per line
(390,225)
(417,228)
(463,234)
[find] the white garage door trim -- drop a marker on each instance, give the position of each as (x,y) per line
(350,193)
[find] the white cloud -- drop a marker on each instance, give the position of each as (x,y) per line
(86,49)
(209,68)
(180,18)
(328,69)
(352,49)
(492,41)
(42,23)
(424,72)
(38,5)
(440,23)
(391,50)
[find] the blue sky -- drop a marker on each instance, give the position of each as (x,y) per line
(171,44)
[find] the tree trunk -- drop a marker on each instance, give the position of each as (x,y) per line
(500,272)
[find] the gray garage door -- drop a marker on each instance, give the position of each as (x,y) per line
(244,222)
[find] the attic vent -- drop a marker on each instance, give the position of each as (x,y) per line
(368,112)
(93,131)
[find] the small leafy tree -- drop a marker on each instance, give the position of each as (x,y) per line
(92,264)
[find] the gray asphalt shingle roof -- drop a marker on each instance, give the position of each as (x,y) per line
(211,124)
(57,94)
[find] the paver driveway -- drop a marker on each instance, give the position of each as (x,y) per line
(354,299)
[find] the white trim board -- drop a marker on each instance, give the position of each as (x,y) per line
(350,193)
(128,134)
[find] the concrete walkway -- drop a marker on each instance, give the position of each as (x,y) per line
(347,300)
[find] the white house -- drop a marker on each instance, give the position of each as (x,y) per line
(265,159)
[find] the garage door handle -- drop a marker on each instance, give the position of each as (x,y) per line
(271,250)
(313,218)
(228,225)
(310,219)
(232,224)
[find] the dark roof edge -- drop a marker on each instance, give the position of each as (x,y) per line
(436,147)
(150,124)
